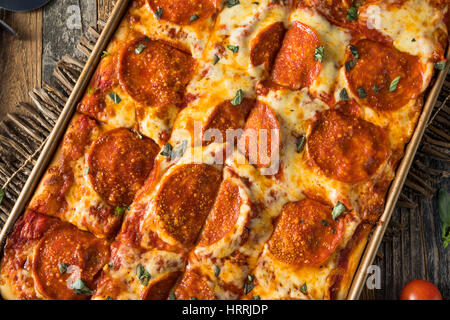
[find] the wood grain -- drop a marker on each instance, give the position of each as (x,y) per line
(104,8)
(21,59)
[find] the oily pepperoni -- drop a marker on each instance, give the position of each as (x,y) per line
(295,66)
(182,11)
(347,148)
(334,10)
(256,141)
(224,214)
(157,75)
(159,290)
(119,163)
(83,254)
(266,45)
(193,286)
(77,138)
(305,233)
(227,116)
(185,199)
(377,66)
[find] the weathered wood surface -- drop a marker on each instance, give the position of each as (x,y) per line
(412,248)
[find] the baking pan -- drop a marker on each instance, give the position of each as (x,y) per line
(63,121)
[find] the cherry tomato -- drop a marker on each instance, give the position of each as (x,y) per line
(420,290)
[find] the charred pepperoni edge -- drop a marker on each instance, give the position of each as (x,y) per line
(338,15)
(164,45)
(340,279)
(193,285)
(266,45)
(130,142)
(66,227)
(176,13)
(160,289)
(287,70)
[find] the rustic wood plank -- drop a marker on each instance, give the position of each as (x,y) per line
(104,8)
(20,70)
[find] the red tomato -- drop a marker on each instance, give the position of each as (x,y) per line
(420,290)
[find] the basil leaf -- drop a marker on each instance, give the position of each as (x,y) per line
(250,278)
(237,100)
(216,271)
(119,211)
(362,93)
(114,97)
(248,287)
(301,143)
(349,65)
(2,195)
(444,213)
(216,59)
(158,13)
(232,3)
(394,84)
(104,54)
(232,48)
(256,297)
(440,65)
(343,95)
(376,89)
(318,53)
(79,287)
(62,267)
(141,47)
(167,150)
(193,17)
(304,289)
(352,13)
(86,172)
(338,209)
(325,222)
(109,298)
(142,274)
(172,296)
(178,153)
(354,51)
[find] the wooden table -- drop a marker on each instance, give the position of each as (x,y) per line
(412,248)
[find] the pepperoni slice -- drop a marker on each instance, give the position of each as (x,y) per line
(83,254)
(227,116)
(77,138)
(347,148)
(334,10)
(266,45)
(305,233)
(153,72)
(224,214)
(375,70)
(184,12)
(185,199)
(295,66)
(119,163)
(193,286)
(159,290)
(256,141)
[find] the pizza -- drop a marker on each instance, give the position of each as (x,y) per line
(230,149)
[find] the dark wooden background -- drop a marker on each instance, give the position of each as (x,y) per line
(412,248)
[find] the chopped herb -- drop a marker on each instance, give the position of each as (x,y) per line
(178,153)
(232,48)
(141,47)
(338,209)
(172,296)
(237,100)
(444,213)
(119,211)
(440,65)
(86,172)
(332,231)
(111,264)
(158,13)
(354,51)
(250,278)
(100,207)
(301,143)
(248,287)
(256,297)
(104,54)
(2,195)
(232,3)
(194,298)
(343,95)
(394,84)
(79,287)
(139,135)
(325,222)
(109,298)
(304,289)
(216,271)
(376,89)
(142,274)
(216,59)
(92,91)
(318,53)
(302,221)
(362,93)
(167,150)
(62,267)
(193,17)
(114,97)
(352,13)
(349,65)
